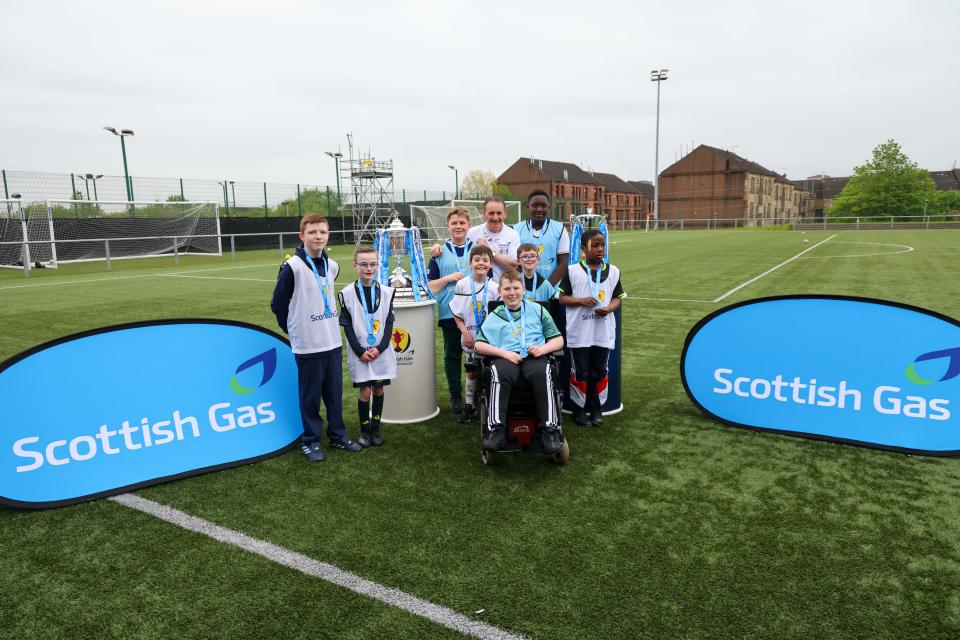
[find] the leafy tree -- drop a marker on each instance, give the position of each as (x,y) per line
(477,184)
(320,201)
(890,184)
(944,203)
(176,198)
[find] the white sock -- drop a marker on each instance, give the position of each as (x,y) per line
(470,390)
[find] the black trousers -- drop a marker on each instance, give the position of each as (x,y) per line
(504,376)
(320,376)
(590,364)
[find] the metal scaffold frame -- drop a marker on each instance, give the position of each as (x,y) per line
(371,203)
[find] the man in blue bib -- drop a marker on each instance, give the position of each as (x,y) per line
(549,236)
(516,336)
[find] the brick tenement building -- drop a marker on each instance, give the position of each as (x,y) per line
(646,190)
(710,183)
(622,202)
(572,190)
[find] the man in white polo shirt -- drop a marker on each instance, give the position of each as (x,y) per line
(502,240)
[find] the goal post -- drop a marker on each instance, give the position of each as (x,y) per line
(432,219)
(62,231)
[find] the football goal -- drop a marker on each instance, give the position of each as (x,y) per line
(432,219)
(60,231)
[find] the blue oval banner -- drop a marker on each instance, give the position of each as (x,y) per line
(113,409)
(852,370)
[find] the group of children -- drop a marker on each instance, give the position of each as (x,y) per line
(474,267)
(304,304)
(590,290)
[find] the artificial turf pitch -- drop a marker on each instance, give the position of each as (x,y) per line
(663,524)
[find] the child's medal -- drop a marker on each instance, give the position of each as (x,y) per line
(367,315)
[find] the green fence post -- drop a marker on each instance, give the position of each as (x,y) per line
(132,197)
(226,198)
(443,195)
(266,210)
(299,203)
(404,191)
(424,195)
(182,197)
(6,192)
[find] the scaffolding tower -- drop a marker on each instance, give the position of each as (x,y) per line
(370,203)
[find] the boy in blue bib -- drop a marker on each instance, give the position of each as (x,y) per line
(516,335)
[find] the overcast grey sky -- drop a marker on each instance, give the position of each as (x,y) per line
(258,90)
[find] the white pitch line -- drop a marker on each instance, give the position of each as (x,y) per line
(906,249)
(632,297)
(183,275)
(769,271)
(411,604)
(142,275)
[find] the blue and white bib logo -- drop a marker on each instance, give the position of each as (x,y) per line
(854,370)
(151,402)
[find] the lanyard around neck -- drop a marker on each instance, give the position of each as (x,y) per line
(368,313)
(594,282)
(323,285)
(518,331)
(478,315)
(461,266)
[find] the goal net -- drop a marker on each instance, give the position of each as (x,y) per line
(432,219)
(59,231)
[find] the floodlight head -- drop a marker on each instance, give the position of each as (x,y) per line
(334,154)
(89,176)
(99,176)
(111,130)
(15,196)
(126,132)
(450,166)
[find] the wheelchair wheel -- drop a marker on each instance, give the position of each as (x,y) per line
(489,457)
(563,455)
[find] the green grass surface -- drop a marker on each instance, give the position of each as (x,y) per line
(664,524)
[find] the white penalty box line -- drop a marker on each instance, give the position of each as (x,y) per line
(394,597)
(771,270)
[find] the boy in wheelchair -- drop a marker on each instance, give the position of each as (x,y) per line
(516,337)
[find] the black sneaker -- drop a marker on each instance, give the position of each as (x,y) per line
(582,419)
(375,438)
(494,438)
(456,404)
(364,440)
(347,445)
(313,452)
(467,415)
(596,417)
(552,439)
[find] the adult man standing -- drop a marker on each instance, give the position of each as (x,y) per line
(550,237)
(502,240)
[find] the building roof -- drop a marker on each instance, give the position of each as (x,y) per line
(554,170)
(946,180)
(643,186)
(738,162)
(613,183)
(823,187)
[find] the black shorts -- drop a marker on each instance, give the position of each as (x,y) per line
(371,383)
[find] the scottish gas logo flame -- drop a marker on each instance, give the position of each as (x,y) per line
(268,359)
(953,367)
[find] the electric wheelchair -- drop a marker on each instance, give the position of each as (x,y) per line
(522,428)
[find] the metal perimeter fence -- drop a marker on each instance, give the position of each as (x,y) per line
(280,234)
(237,198)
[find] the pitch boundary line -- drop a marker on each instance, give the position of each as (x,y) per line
(771,270)
(906,249)
(131,277)
(304,564)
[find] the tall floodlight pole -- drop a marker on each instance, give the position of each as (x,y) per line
(86,182)
(658,77)
(336,155)
(456,182)
(123,133)
(233,190)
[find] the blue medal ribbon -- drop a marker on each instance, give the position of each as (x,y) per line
(461,266)
(594,282)
(532,295)
(543,233)
(521,339)
(323,285)
(478,316)
(367,313)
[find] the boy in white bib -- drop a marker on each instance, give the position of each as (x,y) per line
(366,315)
